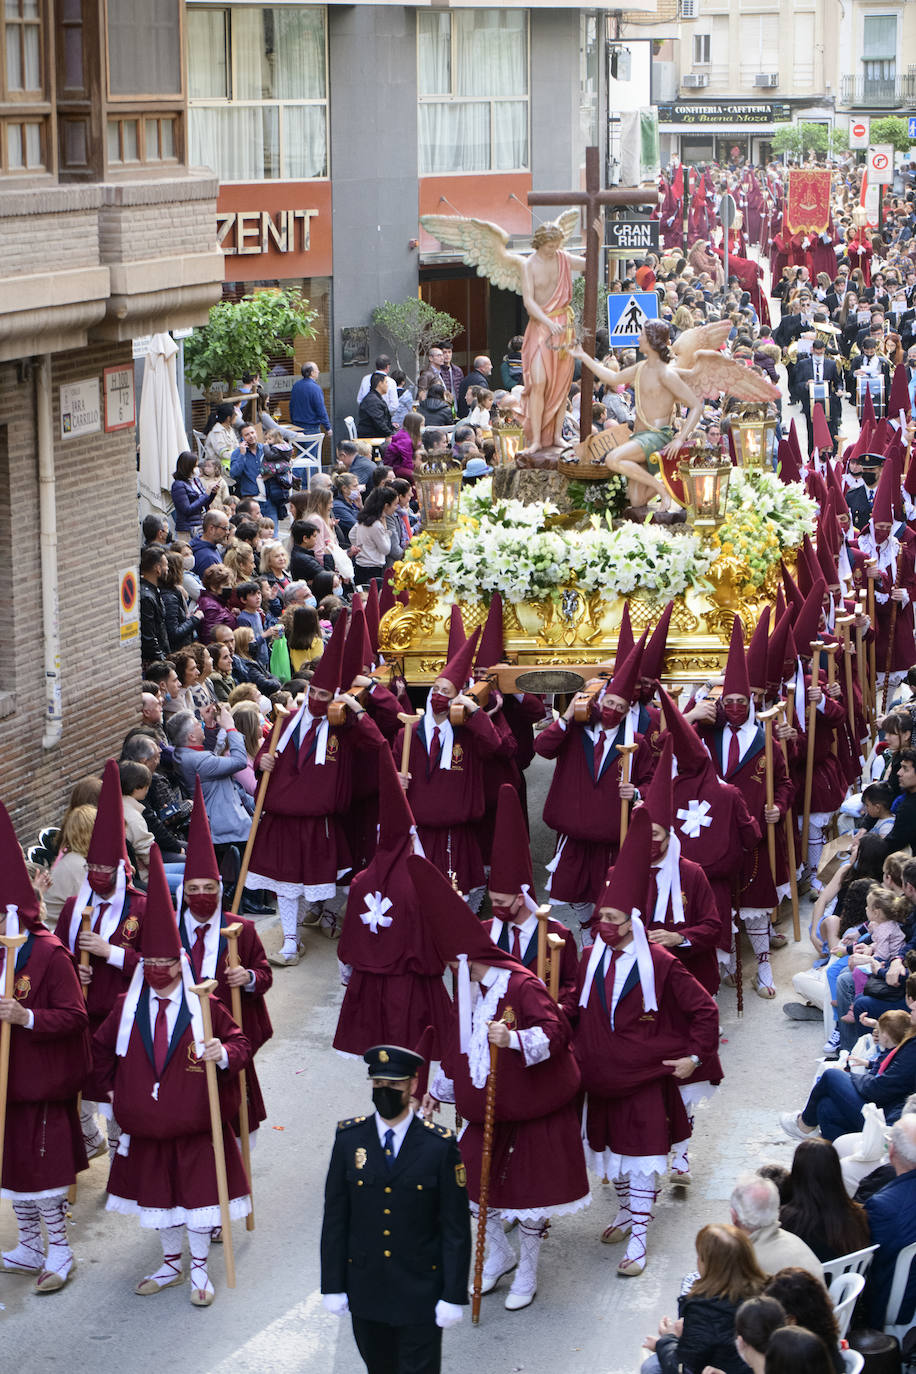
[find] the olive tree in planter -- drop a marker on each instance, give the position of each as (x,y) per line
(414,324)
(243,336)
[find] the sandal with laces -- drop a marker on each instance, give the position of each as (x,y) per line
(630,1267)
(201,1296)
(150,1285)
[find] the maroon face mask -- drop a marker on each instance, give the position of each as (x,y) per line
(503,913)
(645,692)
(655,851)
(735,713)
(317,708)
(157,977)
(610,716)
(100,883)
(438,703)
(202,904)
(612,936)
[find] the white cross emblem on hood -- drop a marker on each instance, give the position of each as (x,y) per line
(694,818)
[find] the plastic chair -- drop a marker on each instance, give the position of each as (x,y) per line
(857,1261)
(892,1325)
(308,455)
(351,426)
(844,1291)
(853,1361)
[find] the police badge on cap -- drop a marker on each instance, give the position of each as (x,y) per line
(392,1061)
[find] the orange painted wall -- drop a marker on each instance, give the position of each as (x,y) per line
(481,196)
(274,197)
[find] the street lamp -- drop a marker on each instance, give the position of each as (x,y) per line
(754,432)
(438,483)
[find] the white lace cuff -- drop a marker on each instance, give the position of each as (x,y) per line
(534,1044)
(346,973)
(442,1088)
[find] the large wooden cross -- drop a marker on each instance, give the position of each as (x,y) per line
(593,199)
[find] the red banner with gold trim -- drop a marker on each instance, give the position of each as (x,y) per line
(808,201)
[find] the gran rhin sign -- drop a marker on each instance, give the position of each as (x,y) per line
(257,231)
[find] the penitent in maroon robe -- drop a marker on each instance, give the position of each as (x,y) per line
(633,1107)
(256,1026)
(168,1173)
(447,802)
(538,1166)
(360,818)
(300,842)
(43,1147)
(394,985)
(585,810)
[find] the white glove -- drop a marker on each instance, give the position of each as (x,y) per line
(448,1314)
(336,1303)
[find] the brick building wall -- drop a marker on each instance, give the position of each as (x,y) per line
(96,491)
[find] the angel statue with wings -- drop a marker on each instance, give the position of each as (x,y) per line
(662,382)
(544,282)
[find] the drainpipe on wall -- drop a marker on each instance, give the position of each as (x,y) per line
(47,521)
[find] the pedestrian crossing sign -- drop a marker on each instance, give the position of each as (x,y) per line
(626,316)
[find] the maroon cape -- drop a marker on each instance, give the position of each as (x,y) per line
(170,1161)
(633,1105)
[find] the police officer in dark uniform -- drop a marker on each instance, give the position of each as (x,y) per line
(396,1236)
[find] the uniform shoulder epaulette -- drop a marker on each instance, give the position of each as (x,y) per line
(350,1121)
(442,1131)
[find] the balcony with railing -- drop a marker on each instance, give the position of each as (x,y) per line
(879,92)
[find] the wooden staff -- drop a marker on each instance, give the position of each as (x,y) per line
(10,943)
(888,659)
(789,823)
(860,657)
(486,1160)
(232,933)
(626,751)
(831,651)
(556,943)
(768,717)
(872,649)
(408,723)
(204,991)
(280,714)
(816,648)
(543,916)
(85,927)
(843,623)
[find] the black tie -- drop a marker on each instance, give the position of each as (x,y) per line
(389,1147)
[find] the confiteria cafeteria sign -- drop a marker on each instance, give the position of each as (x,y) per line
(725,112)
(258,231)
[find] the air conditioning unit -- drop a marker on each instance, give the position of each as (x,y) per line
(689,9)
(695,81)
(766,79)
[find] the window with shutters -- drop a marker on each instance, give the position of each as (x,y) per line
(24,86)
(702,49)
(759,46)
(879,57)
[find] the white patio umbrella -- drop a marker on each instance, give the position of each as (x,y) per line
(162,432)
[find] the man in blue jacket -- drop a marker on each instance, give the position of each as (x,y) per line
(245,463)
(835,1103)
(306,402)
(892,1218)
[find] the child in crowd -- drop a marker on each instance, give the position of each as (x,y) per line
(885,911)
